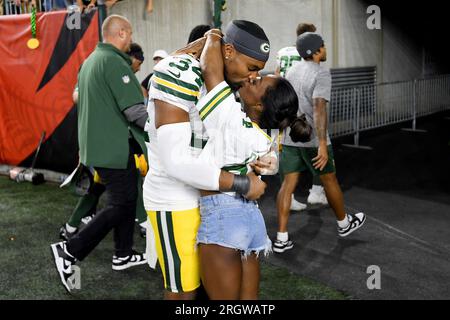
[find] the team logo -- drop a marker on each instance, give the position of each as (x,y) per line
(265,47)
(126,79)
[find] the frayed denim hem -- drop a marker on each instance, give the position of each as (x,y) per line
(266,249)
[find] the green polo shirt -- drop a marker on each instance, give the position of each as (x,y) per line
(107,86)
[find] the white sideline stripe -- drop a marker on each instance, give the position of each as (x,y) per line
(393,228)
(431,247)
(171,267)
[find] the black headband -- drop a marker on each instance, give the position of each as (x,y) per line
(247,43)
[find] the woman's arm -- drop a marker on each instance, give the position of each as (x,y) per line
(211,60)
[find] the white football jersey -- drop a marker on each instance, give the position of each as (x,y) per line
(286,57)
(176,80)
(234,140)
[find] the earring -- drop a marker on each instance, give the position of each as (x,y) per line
(226,58)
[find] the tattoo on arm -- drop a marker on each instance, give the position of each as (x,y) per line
(320,118)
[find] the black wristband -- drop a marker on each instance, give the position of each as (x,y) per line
(241,185)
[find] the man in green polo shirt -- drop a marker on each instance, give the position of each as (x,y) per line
(111,118)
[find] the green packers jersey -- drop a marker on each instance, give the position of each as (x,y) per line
(235,141)
(176,80)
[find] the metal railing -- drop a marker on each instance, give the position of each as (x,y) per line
(353,110)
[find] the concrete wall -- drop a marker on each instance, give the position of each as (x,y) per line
(394,55)
(167,27)
(341,22)
(279,19)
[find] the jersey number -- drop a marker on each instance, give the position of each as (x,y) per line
(184,65)
(286,62)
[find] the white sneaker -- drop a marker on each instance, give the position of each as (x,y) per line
(122,263)
(297,206)
(317,196)
(280,246)
(355,222)
(63,263)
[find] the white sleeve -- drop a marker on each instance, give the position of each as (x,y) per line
(218,108)
(179,162)
(179,87)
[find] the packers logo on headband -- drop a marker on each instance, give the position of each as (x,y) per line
(265,47)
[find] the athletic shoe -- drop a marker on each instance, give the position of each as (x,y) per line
(64,234)
(317,196)
(122,263)
(297,206)
(356,222)
(282,246)
(63,263)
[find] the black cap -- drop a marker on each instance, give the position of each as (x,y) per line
(309,43)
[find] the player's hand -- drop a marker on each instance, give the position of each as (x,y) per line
(216,32)
(257,187)
(266,165)
(321,160)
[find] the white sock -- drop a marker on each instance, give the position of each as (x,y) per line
(282,236)
(70,228)
(343,223)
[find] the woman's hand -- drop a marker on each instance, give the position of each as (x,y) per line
(266,165)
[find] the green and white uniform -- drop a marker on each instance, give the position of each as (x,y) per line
(176,80)
(287,57)
(234,140)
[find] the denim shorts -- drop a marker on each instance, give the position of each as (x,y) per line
(233,222)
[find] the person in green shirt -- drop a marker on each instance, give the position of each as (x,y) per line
(85,208)
(111,118)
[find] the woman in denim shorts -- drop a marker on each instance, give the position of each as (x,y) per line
(232,231)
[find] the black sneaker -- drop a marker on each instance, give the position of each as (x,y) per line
(281,246)
(63,263)
(122,263)
(356,222)
(64,234)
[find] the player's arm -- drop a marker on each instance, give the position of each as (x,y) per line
(320,123)
(321,95)
(216,108)
(211,60)
(194,48)
(174,135)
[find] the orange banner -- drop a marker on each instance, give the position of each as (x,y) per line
(36,85)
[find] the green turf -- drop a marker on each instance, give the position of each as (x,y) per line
(30,217)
